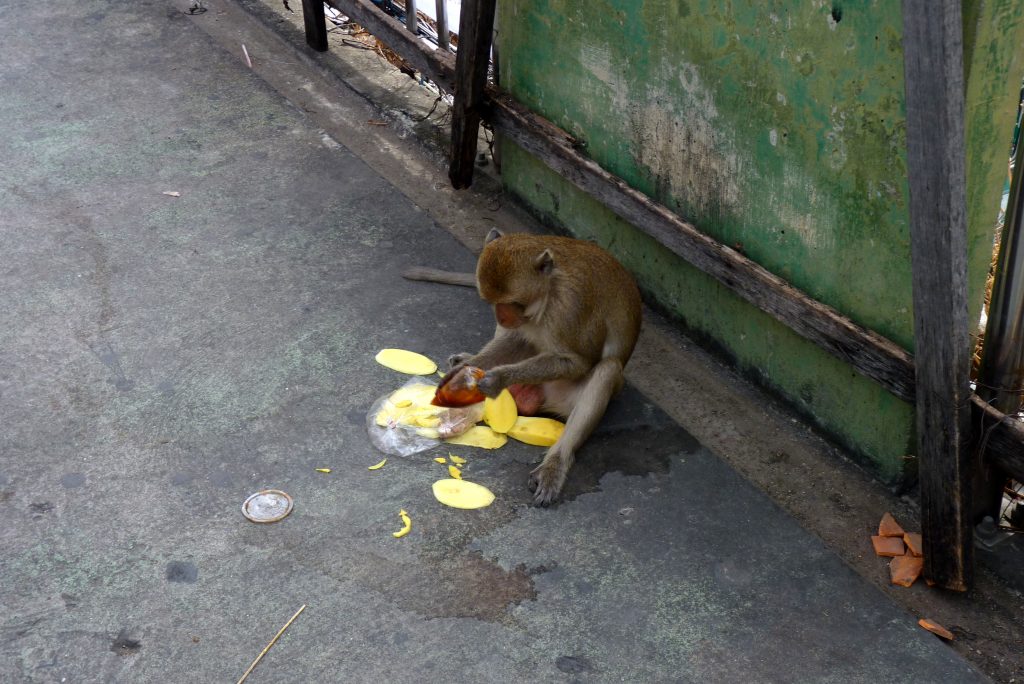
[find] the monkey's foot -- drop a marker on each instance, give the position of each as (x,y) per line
(529,398)
(547,480)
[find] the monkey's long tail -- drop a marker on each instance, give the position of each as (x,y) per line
(436,275)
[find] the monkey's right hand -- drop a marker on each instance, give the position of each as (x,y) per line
(493,382)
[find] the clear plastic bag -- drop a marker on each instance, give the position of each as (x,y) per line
(404,422)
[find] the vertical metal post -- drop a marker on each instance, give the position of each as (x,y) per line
(1001,374)
(315,23)
(410,16)
(442,23)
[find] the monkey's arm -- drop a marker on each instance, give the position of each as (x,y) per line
(506,347)
(436,275)
(535,370)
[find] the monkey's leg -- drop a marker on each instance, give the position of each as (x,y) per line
(547,479)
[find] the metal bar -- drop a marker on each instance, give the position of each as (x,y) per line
(315,23)
(476,25)
(1001,374)
(437,65)
(441,7)
(410,16)
(934,83)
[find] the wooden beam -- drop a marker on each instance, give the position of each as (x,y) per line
(1000,438)
(476,25)
(870,353)
(437,65)
(933,79)
(316,24)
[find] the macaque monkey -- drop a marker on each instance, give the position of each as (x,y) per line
(568,316)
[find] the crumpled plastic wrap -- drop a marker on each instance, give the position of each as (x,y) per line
(404,422)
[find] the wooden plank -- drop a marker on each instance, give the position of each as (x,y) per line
(476,25)
(315,23)
(933,75)
(870,353)
(437,65)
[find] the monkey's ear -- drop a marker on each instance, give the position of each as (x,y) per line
(545,263)
(492,235)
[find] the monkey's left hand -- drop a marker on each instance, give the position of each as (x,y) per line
(493,382)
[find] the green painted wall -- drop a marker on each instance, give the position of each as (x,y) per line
(776,127)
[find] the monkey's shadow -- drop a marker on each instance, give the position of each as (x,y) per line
(634,437)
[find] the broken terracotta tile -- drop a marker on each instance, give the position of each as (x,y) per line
(888,546)
(888,527)
(903,570)
(913,542)
(935,628)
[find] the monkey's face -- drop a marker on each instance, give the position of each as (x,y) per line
(510,315)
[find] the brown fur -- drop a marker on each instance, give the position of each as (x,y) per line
(568,318)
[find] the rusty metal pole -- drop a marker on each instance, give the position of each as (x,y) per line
(1001,372)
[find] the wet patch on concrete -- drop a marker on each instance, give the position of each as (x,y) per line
(463,585)
(182,571)
(72,480)
(123,645)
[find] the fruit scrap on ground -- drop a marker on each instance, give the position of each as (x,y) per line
(455,472)
(888,546)
(406,362)
(480,436)
(500,412)
(440,459)
(913,542)
(462,494)
(377,466)
(455,459)
(903,570)
(536,431)
(935,628)
(322,470)
(407,521)
(888,527)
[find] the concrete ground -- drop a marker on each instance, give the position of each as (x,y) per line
(163,357)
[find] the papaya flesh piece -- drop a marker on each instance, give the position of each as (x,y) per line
(935,628)
(913,542)
(903,570)
(460,388)
(405,361)
(480,436)
(888,527)
(888,546)
(462,494)
(500,413)
(536,431)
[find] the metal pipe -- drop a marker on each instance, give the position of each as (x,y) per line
(1001,373)
(410,16)
(442,23)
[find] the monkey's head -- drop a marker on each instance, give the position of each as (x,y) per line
(514,275)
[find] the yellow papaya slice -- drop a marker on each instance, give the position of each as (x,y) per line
(405,361)
(536,431)
(462,494)
(500,412)
(480,436)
